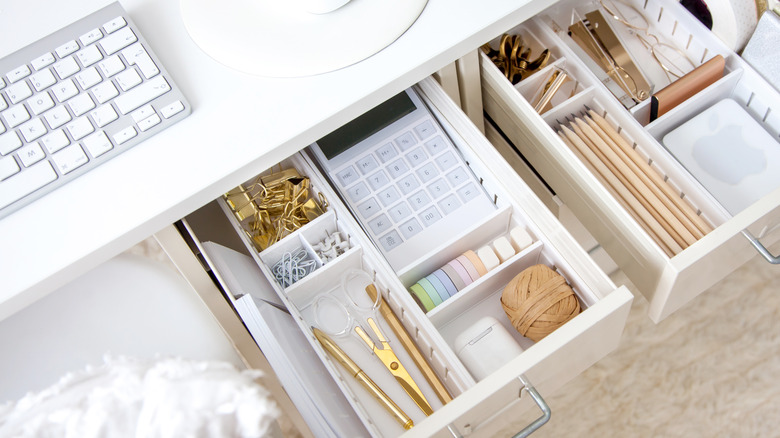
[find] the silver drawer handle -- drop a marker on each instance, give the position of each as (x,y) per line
(546,412)
(531,428)
(773,259)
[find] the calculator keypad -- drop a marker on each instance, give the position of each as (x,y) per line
(407,184)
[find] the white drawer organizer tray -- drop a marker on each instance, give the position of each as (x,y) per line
(478,406)
(668,282)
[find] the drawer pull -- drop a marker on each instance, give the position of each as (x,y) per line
(773,259)
(531,428)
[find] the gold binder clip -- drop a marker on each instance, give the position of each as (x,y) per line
(600,42)
(241,203)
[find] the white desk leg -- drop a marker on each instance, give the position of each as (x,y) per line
(470,84)
(448,79)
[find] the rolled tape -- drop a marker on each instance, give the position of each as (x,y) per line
(441,291)
(470,268)
(461,271)
(733,21)
(456,279)
(430,291)
(445,280)
(477,262)
(422,297)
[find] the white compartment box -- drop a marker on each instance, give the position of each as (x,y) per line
(477,405)
(667,281)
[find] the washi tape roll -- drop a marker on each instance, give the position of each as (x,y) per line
(470,268)
(456,279)
(422,296)
(461,271)
(477,262)
(430,291)
(445,280)
(440,289)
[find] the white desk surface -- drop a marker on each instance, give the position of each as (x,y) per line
(240,126)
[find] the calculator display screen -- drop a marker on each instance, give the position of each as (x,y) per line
(366,125)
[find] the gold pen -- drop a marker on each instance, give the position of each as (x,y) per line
(345,361)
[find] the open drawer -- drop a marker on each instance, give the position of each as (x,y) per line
(481,405)
(668,279)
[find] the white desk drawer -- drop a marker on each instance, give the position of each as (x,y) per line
(549,363)
(668,281)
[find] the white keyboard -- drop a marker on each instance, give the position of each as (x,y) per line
(75,99)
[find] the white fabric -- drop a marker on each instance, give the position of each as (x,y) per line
(126,397)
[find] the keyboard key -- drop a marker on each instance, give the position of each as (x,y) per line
(435,145)
(378,180)
(15,116)
(32,130)
(367,164)
(40,103)
(90,37)
(103,115)
(172,109)
(399,212)
(9,142)
(55,141)
(111,66)
(81,104)
(128,79)
(446,161)
(358,192)
(348,176)
(390,241)
(397,168)
(124,135)
(118,40)
(70,158)
(438,188)
(405,141)
(427,172)
(18,73)
(57,117)
(386,153)
(8,167)
(24,183)
(457,177)
(31,154)
(142,113)
(388,196)
(408,183)
(142,94)
(425,129)
(410,228)
(114,25)
(65,90)
(3,104)
(468,192)
(104,91)
(430,215)
(380,224)
(80,127)
(149,122)
(88,78)
(89,55)
(419,200)
(369,208)
(44,60)
(43,79)
(137,55)
(97,144)
(18,92)
(449,204)
(416,157)
(66,68)
(67,48)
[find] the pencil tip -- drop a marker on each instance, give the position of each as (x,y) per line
(587,108)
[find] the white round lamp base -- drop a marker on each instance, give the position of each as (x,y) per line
(280,38)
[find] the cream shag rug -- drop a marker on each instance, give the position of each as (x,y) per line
(710,369)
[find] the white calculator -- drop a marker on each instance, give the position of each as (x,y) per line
(403,179)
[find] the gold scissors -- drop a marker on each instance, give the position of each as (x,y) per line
(396,368)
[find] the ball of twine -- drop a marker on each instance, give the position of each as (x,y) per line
(538,300)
